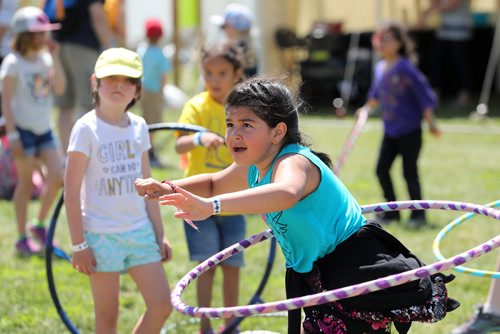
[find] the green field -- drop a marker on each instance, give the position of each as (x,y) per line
(463,165)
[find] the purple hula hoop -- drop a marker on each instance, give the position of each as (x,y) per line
(350,291)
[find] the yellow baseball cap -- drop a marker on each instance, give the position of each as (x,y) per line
(118,61)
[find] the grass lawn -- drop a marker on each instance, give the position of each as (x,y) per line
(463,165)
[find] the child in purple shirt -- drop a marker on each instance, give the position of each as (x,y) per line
(405,98)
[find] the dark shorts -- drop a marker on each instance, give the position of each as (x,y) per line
(33,143)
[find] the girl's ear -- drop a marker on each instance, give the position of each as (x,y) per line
(138,90)
(138,93)
(280,131)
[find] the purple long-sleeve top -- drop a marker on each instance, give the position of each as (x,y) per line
(403,94)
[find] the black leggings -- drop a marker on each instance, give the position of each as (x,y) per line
(408,146)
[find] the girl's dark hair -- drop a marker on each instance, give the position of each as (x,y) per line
(22,42)
(228,50)
(137,83)
(400,33)
(272,102)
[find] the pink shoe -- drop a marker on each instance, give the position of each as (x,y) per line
(27,247)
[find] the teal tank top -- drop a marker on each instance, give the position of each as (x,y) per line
(318,223)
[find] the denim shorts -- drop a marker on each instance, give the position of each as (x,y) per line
(118,252)
(33,144)
(216,233)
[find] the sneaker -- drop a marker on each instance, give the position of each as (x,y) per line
(479,323)
(39,233)
(416,223)
(27,247)
(387,217)
(206,331)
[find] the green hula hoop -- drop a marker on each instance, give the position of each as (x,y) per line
(440,236)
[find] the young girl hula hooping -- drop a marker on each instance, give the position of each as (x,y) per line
(326,241)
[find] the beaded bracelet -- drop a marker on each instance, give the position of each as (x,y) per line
(12,136)
(170,183)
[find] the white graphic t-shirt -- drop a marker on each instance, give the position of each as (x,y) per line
(32,101)
(110,203)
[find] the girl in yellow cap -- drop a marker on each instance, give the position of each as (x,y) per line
(112,229)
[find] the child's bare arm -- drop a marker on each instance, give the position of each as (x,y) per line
(154,214)
(83,259)
(429,117)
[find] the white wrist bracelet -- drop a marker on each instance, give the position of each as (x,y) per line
(216,205)
(80,247)
(197,138)
(12,136)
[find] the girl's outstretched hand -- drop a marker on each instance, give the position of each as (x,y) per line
(189,206)
(150,188)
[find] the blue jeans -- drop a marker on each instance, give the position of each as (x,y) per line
(215,234)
